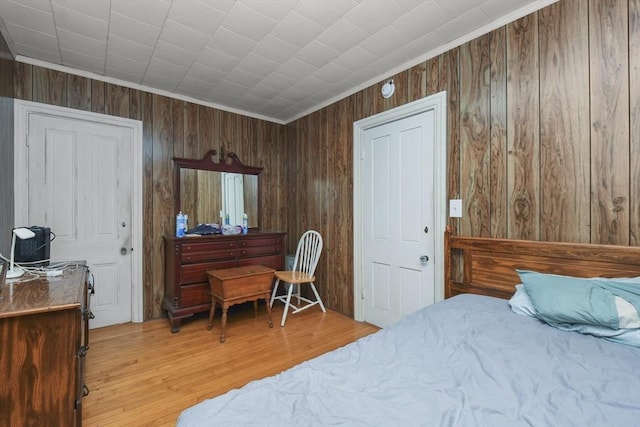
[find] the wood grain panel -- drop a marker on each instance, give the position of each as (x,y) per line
(163,211)
(432,69)
(98,97)
(417,82)
(564,122)
(634,131)
(79,93)
(523,129)
(23,81)
(498,106)
(49,86)
(475,141)
(609,71)
(117,100)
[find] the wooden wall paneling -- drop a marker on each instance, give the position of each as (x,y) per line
(609,71)
(141,108)
(206,123)
(448,80)
(523,129)
(634,131)
(7,91)
(23,81)
(79,93)
(475,141)
(498,177)
(291,172)
(117,100)
(98,97)
(178,127)
(49,86)
(417,85)
(432,67)
(163,214)
(564,122)
(324,165)
(365,105)
(340,204)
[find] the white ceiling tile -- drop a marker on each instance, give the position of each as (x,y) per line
(228,41)
(174,54)
(354,58)
(81,44)
(80,23)
(275,9)
(183,37)
(129,49)
(202,72)
(297,30)
(325,12)
(173,71)
(274,49)
(218,60)
(243,78)
(273,58)
(48,55)
(373,19)
(82,61)
(342,35)
(247,22)
(471,20)
(30,37)
(96,9)
(130,29)
(27,17)
(198,16)
(317,54)
(423,19)
(385,41)
(127,65)
(258,64)
(150,12)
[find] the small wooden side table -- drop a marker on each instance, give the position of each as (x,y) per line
(236,285)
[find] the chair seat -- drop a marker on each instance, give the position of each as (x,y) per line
(294,277)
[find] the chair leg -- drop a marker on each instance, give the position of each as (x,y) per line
(286,305)
(275,291)
(315,292)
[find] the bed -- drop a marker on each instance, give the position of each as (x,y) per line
(476,359)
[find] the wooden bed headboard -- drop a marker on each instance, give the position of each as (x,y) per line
(487,266)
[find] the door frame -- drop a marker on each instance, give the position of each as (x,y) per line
(22,110)
(438,104)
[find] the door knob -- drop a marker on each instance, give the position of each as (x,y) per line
(424,259)
(123,251)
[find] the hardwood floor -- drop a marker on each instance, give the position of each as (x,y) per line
(143,375)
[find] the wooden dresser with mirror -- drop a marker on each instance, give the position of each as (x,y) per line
(205,188)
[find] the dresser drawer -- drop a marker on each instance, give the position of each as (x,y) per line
(275,261)
(250,243)
(223,254)
(196,294)
(194,273)
(207,246)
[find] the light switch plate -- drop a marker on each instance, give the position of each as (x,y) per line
(455,208)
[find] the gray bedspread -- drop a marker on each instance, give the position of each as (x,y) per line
(467,361)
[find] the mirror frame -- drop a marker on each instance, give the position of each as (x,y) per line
(227,162)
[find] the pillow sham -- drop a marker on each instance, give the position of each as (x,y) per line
(628,319)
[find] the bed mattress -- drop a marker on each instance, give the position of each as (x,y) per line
(467,361)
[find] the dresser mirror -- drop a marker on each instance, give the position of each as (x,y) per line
(218,184)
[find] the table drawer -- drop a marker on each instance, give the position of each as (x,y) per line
(195,294)
(194,273)
(273,241)
(252,251)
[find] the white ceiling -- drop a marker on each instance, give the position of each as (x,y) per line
(271,59)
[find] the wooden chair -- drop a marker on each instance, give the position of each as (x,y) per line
(304,267)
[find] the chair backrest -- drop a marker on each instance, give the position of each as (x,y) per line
(308,252)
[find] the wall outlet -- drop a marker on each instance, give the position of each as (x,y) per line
(455,208)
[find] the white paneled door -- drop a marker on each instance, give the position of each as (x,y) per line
(398,235)
(79,184)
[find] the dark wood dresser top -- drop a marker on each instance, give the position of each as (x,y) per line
(24,296)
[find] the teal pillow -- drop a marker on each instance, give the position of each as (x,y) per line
(569,300)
